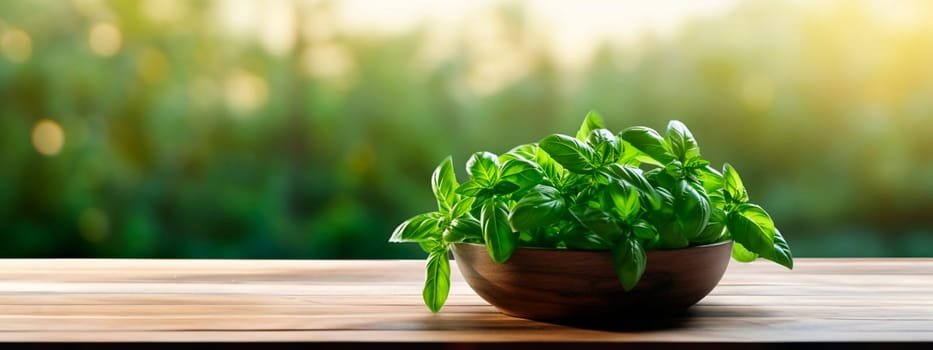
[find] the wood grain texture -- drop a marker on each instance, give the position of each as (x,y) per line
(550,284)
(846,300)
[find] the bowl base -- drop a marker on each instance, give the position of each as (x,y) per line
(552,284)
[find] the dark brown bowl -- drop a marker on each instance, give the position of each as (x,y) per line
(556,284)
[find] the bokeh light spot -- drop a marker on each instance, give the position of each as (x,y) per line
(16,45)
(164,11)
(278,35)
(244,92)
(48,137)
(105,39)
(94,225)
(327,61)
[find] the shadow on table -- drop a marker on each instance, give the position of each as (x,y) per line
(632,322)
(642,321)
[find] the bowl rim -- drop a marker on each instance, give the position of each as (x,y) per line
(708,245)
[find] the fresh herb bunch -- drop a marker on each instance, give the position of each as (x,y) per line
(625,193)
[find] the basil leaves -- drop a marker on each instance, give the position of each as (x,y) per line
(625,193)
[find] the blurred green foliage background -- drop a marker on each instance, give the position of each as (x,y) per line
(273,129)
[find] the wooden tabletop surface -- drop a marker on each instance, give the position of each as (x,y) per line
(845,300)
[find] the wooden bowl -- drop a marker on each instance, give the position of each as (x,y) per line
(558,284)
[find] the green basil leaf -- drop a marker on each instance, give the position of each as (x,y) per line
(681,141)
(753,227)
(625,201)
(630,260)
(444,184)
(668,236)
(463,229)
(430,245)
(605,144)
(471,188)
(649,142)
(659,179)
(572,154)
(732,185)
(667,199)
(500,240)
(631,156)
(526,152)
(592,122)
(463,206)
(453,236)
(542,206)
(437,283)
(635,177)
(714,230)
(522,172)
(586,240)
(675,169)
(710,178)
(696,163)
(692,210)
(504,187)
(780,252)
(422,227)
(554,173)
(602,136)
(644,230)
(597,221)
(550,236)
(741,254)
(716,200)
(483,167)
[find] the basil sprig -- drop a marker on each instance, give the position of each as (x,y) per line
(626,193)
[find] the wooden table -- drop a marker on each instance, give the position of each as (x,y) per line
(365,302)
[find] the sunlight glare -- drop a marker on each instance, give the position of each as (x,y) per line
(278,34)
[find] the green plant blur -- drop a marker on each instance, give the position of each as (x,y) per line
(131,132)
